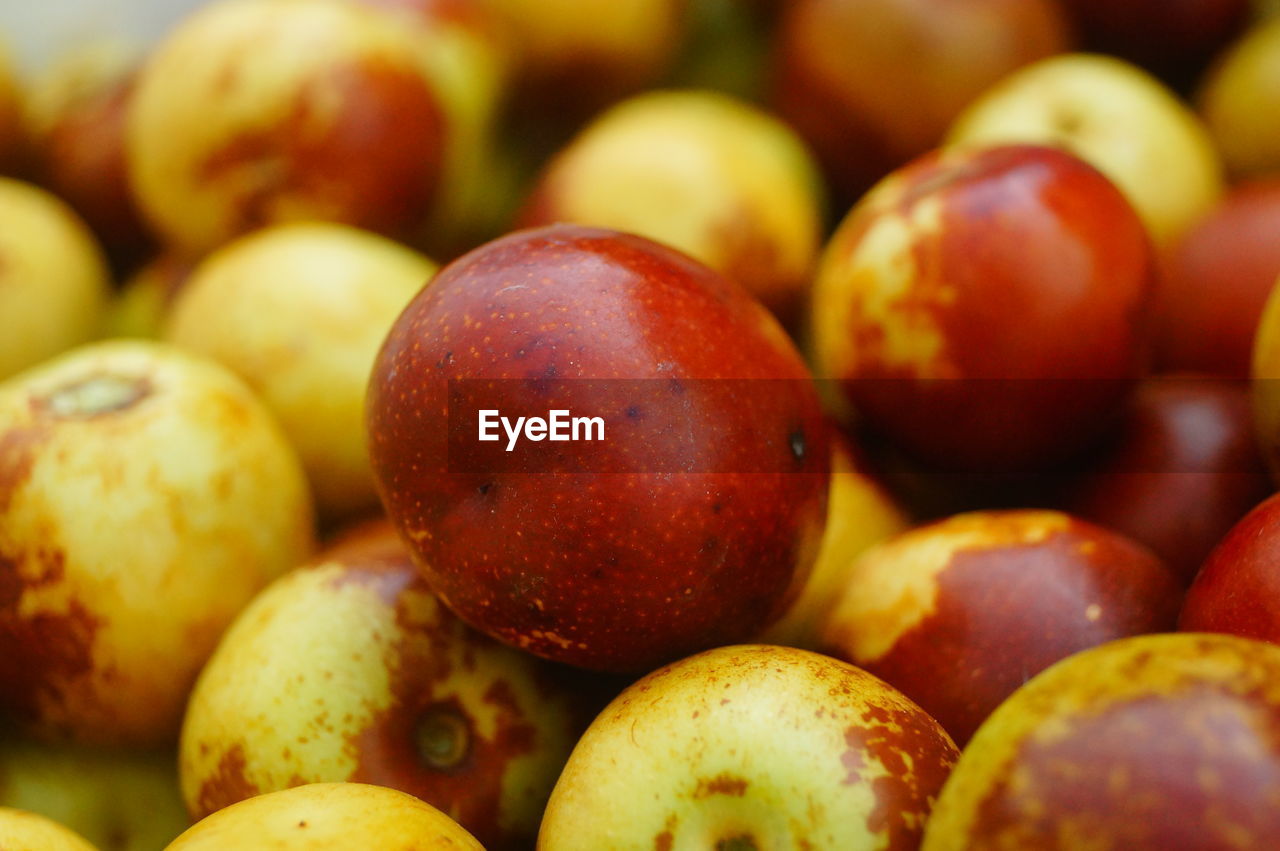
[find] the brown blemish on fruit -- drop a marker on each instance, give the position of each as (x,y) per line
(44,652)
(17,453)
(376,168)
(722,784)
(916,756)
(227,784)
(664,840)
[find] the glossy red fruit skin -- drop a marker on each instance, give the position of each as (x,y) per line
(615,571)
(1036,274)
(1215,283)
(1003,612)
(1174,39)
(1237,591)
(1184,469)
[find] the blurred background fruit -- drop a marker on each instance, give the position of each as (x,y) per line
(1240,101)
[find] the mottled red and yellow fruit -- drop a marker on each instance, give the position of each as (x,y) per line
(117,799)
(575,55)
(1240,102)
(1181,470)
(1115,116)
(53,278)
(871,84)
(383,685)
(145,496)
(328,815)
(747,747)
(1143,744)
(689,525)
(945,309)
(860,514)
(1215,283)
(253,113)
(299,311)
(958,614)
(1237,591)
(23,831)
(76,113)
(702,172)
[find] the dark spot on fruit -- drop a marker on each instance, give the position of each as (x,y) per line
(445,360)
(676,386)
(717,507)
(744,842)
(721,784)
(799,447)
(485,488)
(663,841)
(302,824)
(227,785)
(633,412)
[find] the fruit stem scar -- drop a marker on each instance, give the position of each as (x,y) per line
(442,737)
(95,395)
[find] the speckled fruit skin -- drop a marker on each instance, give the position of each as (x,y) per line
(23,831)
(1153,743)
(53,277)
(1237,591)
(860,514)
(1215,283)
(328,816)
(702,172)
(958,614)
(145,496)
(1115,116)
(951,272)
(751,746)
(1173,40)
(76,115)
(253,113)
(1181,471)
(118,799)
(394,691)
(604,570)
(1240,100)
(299,312)
(871,84)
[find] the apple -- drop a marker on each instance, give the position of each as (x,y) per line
(690,524)
(957,614)
(1216,280)
(1181,471)
(1236,590)
(139,307)
(1240,100)
(381,684)
(871,84)
(54,281)
(76,113)
(254,113)
(751,746)
(984,308)
(119,800)
(1173,40)
(298,311)
(860,514)
(328,815)
(145,496)
(23,831)
(1143,744)
(1117,117)
(713,176)
(574,56)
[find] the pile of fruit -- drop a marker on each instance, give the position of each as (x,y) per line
(698,425)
